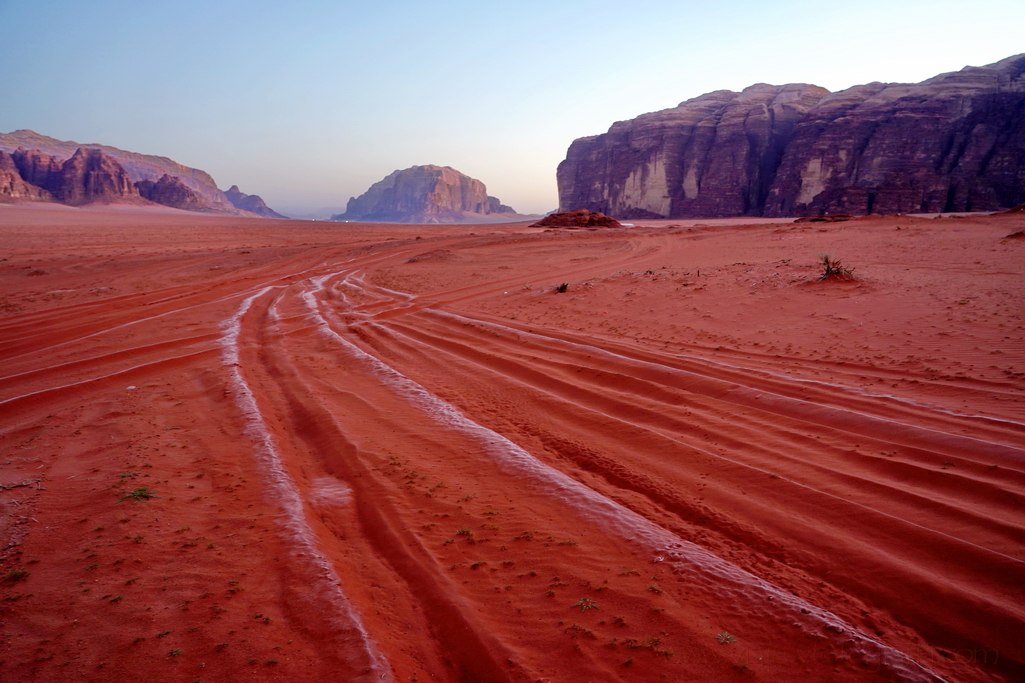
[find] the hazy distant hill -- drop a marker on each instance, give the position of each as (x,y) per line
(427,194)
(194,189)
(252,203)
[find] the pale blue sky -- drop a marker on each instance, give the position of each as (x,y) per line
(308,103)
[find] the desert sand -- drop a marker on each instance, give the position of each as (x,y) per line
(241,449)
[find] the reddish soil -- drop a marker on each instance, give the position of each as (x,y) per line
(396,453)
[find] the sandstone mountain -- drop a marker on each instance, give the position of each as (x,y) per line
(252,203)
(91,176)
(37,168)
(426,194)
(40,158)
(171,191)
(13,185)
(955,142)
(88,176)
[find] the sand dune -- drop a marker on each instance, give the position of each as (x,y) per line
(396,453)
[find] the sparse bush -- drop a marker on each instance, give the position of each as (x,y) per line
(15,575)
(141,493)
(834,269)
(562,288)
(585,604)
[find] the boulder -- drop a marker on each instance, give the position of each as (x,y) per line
(580,218)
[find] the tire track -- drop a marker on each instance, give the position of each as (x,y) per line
(714,574)
(356,647)
(508,354)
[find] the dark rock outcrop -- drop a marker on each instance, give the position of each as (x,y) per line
(252,203)
(581,218)
(710,156)
(92,176)
(170,191)
(425,194)
(88,176)
(38,168)
(13,185)
(955,142)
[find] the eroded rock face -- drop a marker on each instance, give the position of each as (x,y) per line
(38,168)
(424,194)
(955,142)
(13,186)
(171,191)
(252,203)
(710,156)
(42,167)
(88,176)
(92,176)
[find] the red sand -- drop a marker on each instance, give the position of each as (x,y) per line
(395,453)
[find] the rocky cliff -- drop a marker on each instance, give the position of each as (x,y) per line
(171,191)
(38,157)
(425,194)
(252,203)
(13,185)
(92,176)
(37,168)
(88,176)
(955,142)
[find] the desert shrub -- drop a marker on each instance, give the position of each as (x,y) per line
(834,269)
(141,493)
(15,575)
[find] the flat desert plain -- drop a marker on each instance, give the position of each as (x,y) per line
(241,449)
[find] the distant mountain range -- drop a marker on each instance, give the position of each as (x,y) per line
(40,168)
(427,194)
(952,143)
(955,142)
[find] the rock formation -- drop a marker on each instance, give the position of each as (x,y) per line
(13,185)
(41,166)
(252,203)
(170,191)
(712,155)
(425,194)
(88,176)
(955,142)
(37,168)
(581,218)
(92,176)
